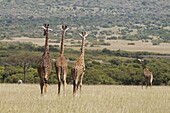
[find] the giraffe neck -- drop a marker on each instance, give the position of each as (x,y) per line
(62,43)
(82,57)
(143,66)
(46,43)
(83,46)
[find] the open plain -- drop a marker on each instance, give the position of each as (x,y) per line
(26,98)
(163,48)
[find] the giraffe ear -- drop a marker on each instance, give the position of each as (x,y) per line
(61,28)
(86,35)
(139,60)
(50,29)
(80,34)
(66,29)
(43,27)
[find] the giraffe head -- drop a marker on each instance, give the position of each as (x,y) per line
(46,29)
(64,28)
(141,61)
(84,35)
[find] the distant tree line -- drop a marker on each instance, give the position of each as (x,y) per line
(102,66)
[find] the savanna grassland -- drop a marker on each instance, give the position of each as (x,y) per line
(120,32)
(26,98)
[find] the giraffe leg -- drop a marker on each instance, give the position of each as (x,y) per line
(78,84)
(74,87)
(151,80)
(41,86)
(59,80)
(64,82)
(81,82)
(142,82)
(40,73)
(59,85)
(46,78)
(73,73)
(45,88)
(147,83)
(77,80)
(45,83)
(150,84)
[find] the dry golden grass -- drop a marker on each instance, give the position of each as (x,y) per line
(115,45)
(16,98)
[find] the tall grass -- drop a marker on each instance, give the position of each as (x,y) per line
(26,98)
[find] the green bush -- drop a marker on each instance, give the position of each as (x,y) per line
(14,78)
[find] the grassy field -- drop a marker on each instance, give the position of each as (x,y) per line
(16,98)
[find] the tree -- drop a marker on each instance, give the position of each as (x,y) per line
(24,60)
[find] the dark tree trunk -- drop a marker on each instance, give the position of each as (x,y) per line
(25,67)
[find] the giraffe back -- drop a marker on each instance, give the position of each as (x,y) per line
(61,61)
(79,65)
(45,63)
(147,73)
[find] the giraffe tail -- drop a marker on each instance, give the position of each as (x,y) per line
(62,73)
(45,81)
(73,73)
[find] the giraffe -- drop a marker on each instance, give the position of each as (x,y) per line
(147,74)
(45,63)
(61,63)
(78,68)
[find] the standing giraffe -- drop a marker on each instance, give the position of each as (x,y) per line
(45,63)
(147,74)
(61,63)
(78,68)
